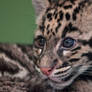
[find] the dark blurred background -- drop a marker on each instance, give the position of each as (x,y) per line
(17,21)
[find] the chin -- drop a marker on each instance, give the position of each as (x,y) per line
(60,85)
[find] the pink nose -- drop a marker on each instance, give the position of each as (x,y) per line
(46,71)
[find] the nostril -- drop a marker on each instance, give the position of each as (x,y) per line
(55,61)
(50,70)
(46,71)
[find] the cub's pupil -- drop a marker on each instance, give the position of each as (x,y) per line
(41,41)
(68,42)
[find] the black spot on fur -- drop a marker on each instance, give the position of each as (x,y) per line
(76,10)
(74,16)
(56,15)
(65,31)
(74,59)
(48,31)
(61,16)
(42,27)
(88,55)
(72,1)
(85,42)
(48,26)
(67,15)
(53,1)
(69,28)
(77,48)
(49,16)
(67,6)
(72,28)
(53,33)
(59,25)
(51,30)
(48,9)
(90,42)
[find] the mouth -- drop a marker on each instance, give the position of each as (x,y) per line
(60,80)
(61,76)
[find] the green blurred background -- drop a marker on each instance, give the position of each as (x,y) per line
(17,21)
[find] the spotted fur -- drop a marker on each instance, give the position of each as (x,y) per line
(61,51)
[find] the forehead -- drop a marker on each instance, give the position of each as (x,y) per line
(59,18)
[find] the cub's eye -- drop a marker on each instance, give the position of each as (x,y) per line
(68,42)
(40,42)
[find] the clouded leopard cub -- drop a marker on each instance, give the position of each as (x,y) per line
(62,48)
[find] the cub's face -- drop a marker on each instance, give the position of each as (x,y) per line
(62,44)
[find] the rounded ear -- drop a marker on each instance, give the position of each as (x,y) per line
(39,6)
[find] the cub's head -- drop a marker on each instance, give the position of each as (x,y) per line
(63,40)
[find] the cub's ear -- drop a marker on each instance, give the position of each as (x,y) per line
(40,5)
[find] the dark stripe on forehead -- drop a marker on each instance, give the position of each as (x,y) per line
(69,28)
(88,55)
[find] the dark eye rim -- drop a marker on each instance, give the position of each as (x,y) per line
(71,46)
(37,42)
